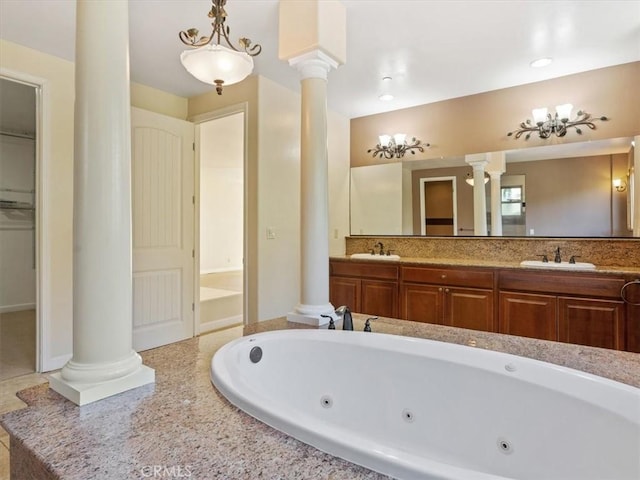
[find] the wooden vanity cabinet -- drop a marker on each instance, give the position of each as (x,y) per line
(571,307)
(448,296)
(365,287)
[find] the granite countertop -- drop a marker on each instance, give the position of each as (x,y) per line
(181,423)
(604,269)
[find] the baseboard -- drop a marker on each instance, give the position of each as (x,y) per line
(55,363)
(221,270)
(220,324)
(17,308)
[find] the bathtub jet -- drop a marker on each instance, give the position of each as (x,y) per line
(420,409)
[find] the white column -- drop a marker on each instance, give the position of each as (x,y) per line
(495,168)
(635,200)
(478,162)
(104,362)
(314,201)
(496,204)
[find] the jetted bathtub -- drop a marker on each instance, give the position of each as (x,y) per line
(421,409)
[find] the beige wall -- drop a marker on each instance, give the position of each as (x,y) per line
(479,123)
(273,189)
(56,184)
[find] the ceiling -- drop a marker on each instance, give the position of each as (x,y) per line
(433,50)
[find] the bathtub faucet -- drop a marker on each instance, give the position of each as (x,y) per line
(347,320)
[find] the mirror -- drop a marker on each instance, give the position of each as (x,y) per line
(550,191)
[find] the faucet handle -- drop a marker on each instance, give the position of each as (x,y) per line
(332,324)
(573,258)
(389,252)
(545,259)
(367,323)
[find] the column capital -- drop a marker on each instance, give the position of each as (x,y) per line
(314,64)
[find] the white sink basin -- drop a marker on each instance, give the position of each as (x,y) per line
(558,266)
(368,256)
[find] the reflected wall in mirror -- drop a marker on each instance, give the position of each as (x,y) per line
(566,190)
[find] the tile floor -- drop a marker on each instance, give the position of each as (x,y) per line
(17,343)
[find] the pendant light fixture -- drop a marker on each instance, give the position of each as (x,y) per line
(210,61)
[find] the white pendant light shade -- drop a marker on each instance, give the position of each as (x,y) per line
(215,62)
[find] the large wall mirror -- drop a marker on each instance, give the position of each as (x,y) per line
(562,190)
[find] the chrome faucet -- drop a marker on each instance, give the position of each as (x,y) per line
(347,320)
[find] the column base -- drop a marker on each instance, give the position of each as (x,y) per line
(82,393)
(310,319)
(312,314)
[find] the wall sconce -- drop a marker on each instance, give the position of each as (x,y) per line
(396,146)
(546,125)
(469,178)
(619,184)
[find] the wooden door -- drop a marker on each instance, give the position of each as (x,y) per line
(597,323)
(469,308)
(379,298)
(528,315)
(421,303)
(162,184)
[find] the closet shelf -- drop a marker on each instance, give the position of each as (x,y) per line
(11,205)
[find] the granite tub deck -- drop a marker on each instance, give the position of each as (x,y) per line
(181,425)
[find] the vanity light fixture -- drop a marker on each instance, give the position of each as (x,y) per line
(545,125)
(396,146)
(620,185)
(212,63)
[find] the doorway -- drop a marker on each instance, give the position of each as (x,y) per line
(221,148)
(438,209)
(18,273)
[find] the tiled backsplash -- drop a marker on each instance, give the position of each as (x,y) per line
(602,252)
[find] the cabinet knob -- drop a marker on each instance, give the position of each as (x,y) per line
(443,276)
(439,289)
(446,290)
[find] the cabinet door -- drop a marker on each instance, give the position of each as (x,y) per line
(421,303)
(379,298)
(469,308)
(345,291)
(528,315)
(597,323)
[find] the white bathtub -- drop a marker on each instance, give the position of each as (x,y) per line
(420,409)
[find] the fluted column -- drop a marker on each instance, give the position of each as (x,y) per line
(104,362)
(314,201)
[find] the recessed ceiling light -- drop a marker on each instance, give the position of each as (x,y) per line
(541,62)
(386,95)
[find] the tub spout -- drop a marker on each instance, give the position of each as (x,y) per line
(347,320)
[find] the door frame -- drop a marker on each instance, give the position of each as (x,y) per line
(43,339)
(454,196)
(197,120)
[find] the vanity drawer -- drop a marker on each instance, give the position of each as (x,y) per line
(364,270)
(448,276)
(574,283)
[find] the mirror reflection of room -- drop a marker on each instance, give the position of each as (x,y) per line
(566,190)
